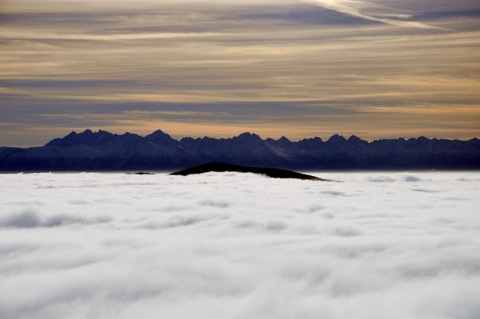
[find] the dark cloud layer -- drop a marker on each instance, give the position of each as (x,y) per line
(262,66)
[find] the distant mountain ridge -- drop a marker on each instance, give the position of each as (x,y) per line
(105,151)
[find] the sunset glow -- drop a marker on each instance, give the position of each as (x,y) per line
(376,68)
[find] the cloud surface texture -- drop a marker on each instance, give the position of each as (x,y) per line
(231,245)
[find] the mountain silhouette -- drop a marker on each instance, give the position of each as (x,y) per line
(104,151)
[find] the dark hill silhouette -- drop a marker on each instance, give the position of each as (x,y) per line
(225,167)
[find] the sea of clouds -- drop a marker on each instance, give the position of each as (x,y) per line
(230,245)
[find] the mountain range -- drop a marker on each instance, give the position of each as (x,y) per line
(104,151)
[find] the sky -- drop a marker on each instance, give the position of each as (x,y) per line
(233,246)
(295,68)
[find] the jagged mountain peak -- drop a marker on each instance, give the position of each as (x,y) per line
(248,134)
(283,142)
(129,135)
(87,137)
(312,139)
(248,137)
(72,133)
(159,133)
(161,138)
(336,139)
(354,138)
(89,132)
